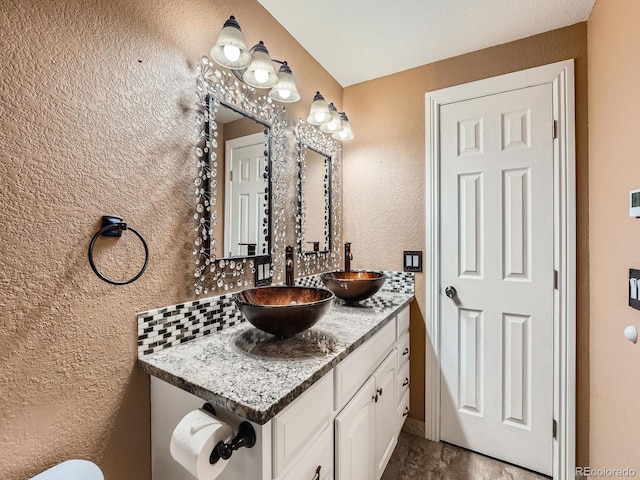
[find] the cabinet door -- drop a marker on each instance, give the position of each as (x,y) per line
(386,412)
(294,429)
(355,436)
(317,462)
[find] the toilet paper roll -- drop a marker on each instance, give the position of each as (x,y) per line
(193,440)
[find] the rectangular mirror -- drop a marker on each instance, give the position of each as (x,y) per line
(318,222)
(315,200)
(242,154)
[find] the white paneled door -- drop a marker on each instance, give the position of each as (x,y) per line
(245,194)
(497,277)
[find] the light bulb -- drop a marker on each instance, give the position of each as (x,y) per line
(284,94)
(319,117)
(231,52)
(333,126)
(343,134)
(261,75)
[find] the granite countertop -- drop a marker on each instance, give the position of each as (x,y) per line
(255,375)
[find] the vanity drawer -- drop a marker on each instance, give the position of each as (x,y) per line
(404,350)
(295,427)
(318,456)
(403,410)
(404,380)
(403,321)
(352,372)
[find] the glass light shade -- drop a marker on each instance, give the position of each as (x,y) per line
(230,50)
(285,90)
(345,133)
(334,125)
(260,73)
(319,113)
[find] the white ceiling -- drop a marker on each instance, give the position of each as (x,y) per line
(358,40)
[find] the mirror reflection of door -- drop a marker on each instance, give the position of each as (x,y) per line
(316,204)
(245,194)
(242,195)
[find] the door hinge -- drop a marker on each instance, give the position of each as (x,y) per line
(555,129)
(231,175)
(555,280)
(555,429)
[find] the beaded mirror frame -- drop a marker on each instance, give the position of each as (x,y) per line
(213,275)
(309,263)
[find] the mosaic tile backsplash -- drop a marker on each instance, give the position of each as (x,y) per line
(166,327)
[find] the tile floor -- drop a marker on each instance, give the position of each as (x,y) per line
(418,459)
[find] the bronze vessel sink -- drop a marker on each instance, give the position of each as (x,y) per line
(354,286)
(283,310)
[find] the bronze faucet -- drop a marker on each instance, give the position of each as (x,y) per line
(289,265)
(348,256)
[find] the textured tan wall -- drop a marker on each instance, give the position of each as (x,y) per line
(384,180)
(614,102)
(97,118)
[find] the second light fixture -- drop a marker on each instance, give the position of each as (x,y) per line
(329,119)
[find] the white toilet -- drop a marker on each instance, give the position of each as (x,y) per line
(72,470)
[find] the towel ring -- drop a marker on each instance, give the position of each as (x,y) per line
(113,227)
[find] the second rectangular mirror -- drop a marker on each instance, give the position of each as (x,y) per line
(315,200)
(317,156)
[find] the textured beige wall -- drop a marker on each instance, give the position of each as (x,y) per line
(97,118)
(614,102)
(384,179)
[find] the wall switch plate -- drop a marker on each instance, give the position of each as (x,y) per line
(634,203)
(412,261)
(634,288)
(262,276)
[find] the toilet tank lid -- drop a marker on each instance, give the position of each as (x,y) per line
(72,470)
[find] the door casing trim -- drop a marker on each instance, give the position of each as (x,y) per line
(561,76)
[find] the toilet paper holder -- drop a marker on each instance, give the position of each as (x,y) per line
(246,437)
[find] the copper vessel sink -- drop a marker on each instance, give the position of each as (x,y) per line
(284,311)
(354,286)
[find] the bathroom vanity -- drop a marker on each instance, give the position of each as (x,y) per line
(327,403)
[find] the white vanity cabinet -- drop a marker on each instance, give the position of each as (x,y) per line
(345,426)
(367,427)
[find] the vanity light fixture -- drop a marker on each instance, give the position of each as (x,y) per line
(345,133)
(334,125)
(319,113)
(260,72)
(329,119)
(285,90)
(230,50)
(254,67)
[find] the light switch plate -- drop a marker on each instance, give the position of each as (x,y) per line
(412,261)
(634,291)
(634,203)
(262,277)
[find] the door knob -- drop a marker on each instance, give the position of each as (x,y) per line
(450,292)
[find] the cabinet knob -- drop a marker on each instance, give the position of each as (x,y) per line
(317,475)
(405,351)
(406,382)
(375,398)
(379,391)
(406,411)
